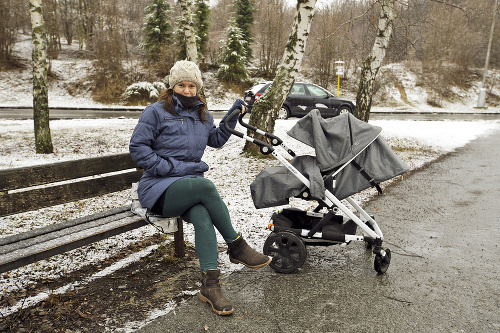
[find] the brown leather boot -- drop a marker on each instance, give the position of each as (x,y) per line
(210,292)
(240,253)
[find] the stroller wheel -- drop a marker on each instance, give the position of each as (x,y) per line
(287,250)
(381,263)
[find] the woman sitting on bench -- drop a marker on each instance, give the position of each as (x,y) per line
(168,143)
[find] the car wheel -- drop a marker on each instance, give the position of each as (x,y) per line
(284,112)
(344,109)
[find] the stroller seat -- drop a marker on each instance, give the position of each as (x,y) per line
(357,160)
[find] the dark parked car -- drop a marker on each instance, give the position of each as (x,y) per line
(303,98)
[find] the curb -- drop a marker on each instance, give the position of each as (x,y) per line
(83,108)
(140,108)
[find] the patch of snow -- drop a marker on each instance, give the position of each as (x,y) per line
(440,135)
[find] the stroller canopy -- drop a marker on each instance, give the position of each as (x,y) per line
(335,140)
(346,148)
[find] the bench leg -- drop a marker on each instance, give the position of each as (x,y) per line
(180,248)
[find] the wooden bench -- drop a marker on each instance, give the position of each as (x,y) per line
(31,188)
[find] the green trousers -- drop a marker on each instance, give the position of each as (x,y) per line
(197,201)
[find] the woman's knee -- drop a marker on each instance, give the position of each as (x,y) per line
(205,185)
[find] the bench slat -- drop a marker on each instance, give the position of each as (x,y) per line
(17,202)
(18,178)
(28,255)
(12,239)
(60,233)
(44,245)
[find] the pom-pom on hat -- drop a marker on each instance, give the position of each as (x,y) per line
(185,70)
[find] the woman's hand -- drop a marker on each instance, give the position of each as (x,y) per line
(238,104)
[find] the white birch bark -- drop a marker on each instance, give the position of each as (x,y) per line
(43,140)
(188,27)
(265,110)
(373,62)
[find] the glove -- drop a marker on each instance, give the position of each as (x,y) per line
(237,105)
(202,167)
(174,168)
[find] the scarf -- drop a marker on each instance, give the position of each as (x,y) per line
(187,102)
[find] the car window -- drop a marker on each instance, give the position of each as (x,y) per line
(298,89)
(255,89)
(317,91)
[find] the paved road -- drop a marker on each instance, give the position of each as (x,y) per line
(135,112)
(71,113)
(442,225)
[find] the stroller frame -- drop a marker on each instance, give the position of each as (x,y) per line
(289,242)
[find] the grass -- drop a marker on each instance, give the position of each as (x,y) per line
(166,253)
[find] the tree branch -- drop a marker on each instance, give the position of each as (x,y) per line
(349,22)
(451,5)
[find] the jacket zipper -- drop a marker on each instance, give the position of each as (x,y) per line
(175,119)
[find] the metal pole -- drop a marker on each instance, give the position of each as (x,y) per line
(482,91)
(338,85)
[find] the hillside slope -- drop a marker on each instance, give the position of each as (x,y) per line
(400,86)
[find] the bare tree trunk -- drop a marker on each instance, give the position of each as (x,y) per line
(373,62)
(43,140)
(188,27)
(265,110)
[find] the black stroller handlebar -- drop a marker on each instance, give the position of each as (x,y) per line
(264,147)
(229,129)
(275,141)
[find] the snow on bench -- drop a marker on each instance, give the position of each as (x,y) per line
(32,188)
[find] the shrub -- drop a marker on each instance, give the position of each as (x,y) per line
(107,88)
(142,93)
(160,86)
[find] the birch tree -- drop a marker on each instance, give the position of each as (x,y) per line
(187,25)
(43,140)
(373,62)
(265,109)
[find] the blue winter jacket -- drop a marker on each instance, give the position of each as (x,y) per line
(170,146)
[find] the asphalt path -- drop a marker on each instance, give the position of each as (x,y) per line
(442,224)
(135,112)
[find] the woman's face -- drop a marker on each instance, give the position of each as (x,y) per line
(186,88)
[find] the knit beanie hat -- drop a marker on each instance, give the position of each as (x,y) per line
(185,70)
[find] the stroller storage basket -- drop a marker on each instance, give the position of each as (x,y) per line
(301,222)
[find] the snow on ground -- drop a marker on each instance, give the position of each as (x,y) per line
(416,142)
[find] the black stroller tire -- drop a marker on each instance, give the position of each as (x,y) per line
(381,264)
(287,250)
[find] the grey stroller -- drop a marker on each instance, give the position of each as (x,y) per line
(349,157)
